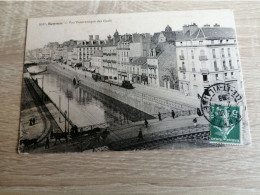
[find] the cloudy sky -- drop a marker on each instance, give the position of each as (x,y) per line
(39,32)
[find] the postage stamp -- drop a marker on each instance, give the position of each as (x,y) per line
(221,106)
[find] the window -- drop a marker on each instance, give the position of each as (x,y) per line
(220,41)
(200,42)
(182,52)
(214,53)
(225,74)
(205,78)
(194,76)
(212,42)
(192,54)
(235,41)
(227,41)
(224,65)
(215,66)
(183,66)
(222,52)
(216,75)
(181,43)
(232,74)
(229,54)
(193,66)
(230,64)
(202,53)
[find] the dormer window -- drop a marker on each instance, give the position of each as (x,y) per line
(220,41)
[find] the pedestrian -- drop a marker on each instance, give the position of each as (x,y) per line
(159,116)
(173,114)
(140,135)
(47,143)
(30,122)
(195,122)
(199,112)
(145,123)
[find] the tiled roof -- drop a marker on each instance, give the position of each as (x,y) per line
(169,35)
(219,33)
(89,44)
(110,43)
(126,39)
(207,33)
(144,66)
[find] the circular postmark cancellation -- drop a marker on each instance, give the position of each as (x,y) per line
(220,105)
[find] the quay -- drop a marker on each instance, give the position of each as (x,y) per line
(146,99)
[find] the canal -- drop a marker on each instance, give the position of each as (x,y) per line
(85,105)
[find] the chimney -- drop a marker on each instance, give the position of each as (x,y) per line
(96,37)
(90,37)
(216,25)
(206,25)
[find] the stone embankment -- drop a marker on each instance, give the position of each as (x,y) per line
(144,98)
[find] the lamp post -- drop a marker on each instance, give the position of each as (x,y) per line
(69,95)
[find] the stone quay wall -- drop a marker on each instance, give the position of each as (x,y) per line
(142,101)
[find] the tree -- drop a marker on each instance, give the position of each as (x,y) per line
(172,76)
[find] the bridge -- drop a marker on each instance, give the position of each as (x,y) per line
(158,134)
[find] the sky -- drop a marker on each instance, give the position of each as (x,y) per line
(40,32)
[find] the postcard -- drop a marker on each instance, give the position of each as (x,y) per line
(138,81)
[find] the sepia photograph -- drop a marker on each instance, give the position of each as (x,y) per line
(129,82)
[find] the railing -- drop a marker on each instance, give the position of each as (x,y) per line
(204,71)
(201,132)
(182,69)
(203,58)
(123,48)
(181,57)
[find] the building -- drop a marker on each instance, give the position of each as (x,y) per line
(139,70)
(85,49)
(96,62)
(161,60)
(110,65)
(206,56)
(123,51)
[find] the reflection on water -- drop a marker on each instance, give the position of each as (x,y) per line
(86,106)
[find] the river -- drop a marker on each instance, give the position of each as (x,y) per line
(86,106)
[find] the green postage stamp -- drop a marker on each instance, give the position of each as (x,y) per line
(225,124)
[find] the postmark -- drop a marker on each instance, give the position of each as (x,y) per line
(221,105)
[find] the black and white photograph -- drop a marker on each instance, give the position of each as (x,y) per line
(130,82)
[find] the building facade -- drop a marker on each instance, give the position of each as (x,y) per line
(85,49)
(206,56)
